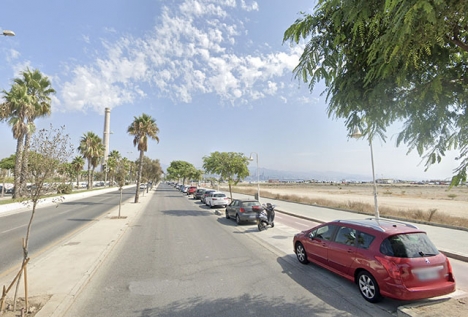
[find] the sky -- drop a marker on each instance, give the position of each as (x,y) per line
(214,74)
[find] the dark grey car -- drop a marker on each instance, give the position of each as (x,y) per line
(198,193)
(243,210)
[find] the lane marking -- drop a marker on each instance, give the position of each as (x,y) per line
(12,229)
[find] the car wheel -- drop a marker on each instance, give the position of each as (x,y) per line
(301,253)
(368,287)
(238,220)
(227,215)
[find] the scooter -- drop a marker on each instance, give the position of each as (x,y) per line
(266,217)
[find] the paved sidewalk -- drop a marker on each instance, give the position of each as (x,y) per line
(65,270)
(451,242)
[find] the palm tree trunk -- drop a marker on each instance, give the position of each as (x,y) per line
(89,174)
(24,162)
(140,169)
(19,157)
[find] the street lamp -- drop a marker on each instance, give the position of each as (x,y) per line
(8,33)
(356,135)
(258,180)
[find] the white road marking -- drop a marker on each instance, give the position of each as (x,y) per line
(12,229)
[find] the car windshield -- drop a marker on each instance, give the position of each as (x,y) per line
(251,203)
(219,195)
(412,245)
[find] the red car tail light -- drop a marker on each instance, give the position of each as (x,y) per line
(392,268)
(449,271)
(241,210)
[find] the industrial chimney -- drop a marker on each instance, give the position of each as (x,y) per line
(106,136)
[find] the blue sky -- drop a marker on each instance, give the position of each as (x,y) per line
(213,73)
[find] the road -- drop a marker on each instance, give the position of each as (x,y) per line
(179,259)
(50,225)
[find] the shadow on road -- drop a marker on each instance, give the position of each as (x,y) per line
(245,305)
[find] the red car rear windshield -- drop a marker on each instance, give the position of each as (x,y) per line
(411,245)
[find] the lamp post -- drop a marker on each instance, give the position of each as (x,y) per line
(8,33)
(356,135)
(258,180)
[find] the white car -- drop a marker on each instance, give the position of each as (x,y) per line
(217,199)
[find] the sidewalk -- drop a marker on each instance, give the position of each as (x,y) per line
(452,242)
(64,271)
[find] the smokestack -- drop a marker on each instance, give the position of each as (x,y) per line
(106,136)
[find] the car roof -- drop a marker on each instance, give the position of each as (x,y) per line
(382,225)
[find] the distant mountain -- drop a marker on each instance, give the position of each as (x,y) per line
(267,174)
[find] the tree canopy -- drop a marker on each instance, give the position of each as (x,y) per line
(182,170)
(230,166)
(389,61)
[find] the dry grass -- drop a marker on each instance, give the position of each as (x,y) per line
(432,216)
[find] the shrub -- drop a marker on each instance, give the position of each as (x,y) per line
(64,189)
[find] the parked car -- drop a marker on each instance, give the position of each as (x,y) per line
(191,190)
(205,194)
(243,210)
(199,192)
(143,186)
(384,258)
(217,199)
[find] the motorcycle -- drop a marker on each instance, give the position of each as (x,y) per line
(266,217)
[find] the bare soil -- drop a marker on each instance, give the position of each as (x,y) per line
(34,306)
(436,203)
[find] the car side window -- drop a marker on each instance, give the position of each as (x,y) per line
(346,236)
(364,240)
(325,232)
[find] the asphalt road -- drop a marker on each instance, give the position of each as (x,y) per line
(50,225)
(178,259)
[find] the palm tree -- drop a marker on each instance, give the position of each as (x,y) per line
(142,128)
(111,165)
(39,88)
(15,111)
(78,164)
(92,149)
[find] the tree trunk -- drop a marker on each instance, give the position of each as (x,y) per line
(24,162)
(89,174)
(140,169)
(19,157)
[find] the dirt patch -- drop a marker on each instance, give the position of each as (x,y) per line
(426,203)
(35,304)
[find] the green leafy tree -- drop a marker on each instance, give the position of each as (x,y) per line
(92,149)
(230,166)
(392,61)
(181,170)
(142,129)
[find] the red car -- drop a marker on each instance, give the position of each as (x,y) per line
(191,190)
(384,258)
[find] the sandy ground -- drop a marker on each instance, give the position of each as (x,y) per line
(452,201)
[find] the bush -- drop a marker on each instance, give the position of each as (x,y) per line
(64,189)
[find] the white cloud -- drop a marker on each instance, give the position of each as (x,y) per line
(191,51)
